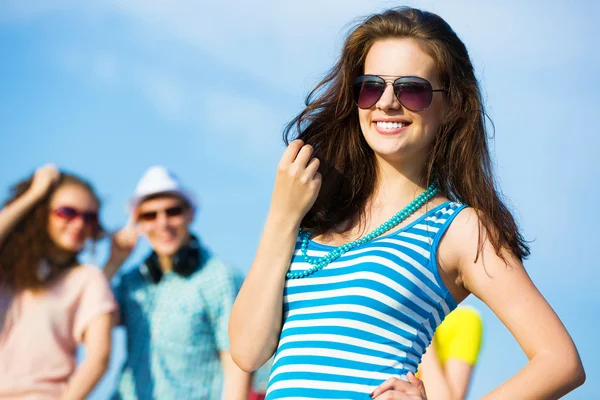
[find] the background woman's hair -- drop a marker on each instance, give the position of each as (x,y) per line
(29,242)
(459,160)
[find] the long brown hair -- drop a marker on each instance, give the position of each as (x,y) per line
(29,242)
(459,160)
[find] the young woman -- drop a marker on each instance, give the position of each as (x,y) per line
(49,302)
(384,217)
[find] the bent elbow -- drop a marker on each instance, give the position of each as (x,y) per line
(244,363)
(247,356)
(578,375)
(240,353)
(574,372)
(245,360)
(248,352)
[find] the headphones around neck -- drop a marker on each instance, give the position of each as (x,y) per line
(186,261)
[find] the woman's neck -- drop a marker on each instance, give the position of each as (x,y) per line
(395,188)
(60,257)
(397,184)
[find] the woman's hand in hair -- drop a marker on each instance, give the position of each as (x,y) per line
(43,179)
(254,335)
(297,182)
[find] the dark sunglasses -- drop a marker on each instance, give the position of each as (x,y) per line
(414,93)
(69,213)
(170,212)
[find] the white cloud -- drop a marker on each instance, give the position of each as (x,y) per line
(274,40)
(245,125)
(163,91)
(104,67)
(177,54)
(27,9)
(101,66)
(155,85)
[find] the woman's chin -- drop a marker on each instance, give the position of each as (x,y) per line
(71,246)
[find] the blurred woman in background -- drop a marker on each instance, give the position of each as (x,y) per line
(50,302)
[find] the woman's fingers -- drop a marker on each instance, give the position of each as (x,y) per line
(297,183)
(416,382)
(395,384)
(303,157)
(43,179)
(312,167)
(290,153)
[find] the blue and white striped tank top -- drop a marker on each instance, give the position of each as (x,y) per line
(365,317)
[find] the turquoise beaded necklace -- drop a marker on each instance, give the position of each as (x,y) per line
(320,262)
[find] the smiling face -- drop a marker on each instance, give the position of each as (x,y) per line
(165,221)
(73,217)
(394,133)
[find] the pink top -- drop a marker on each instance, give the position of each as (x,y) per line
(39,332)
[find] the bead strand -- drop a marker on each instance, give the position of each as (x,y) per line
(321,262)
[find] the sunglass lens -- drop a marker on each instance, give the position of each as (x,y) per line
(66,212)
(90,218)
(415,95)
(174,211)
(367,90)
(148,216)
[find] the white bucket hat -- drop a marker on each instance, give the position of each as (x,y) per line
(159,180)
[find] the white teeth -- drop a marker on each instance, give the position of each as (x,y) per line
(390,125)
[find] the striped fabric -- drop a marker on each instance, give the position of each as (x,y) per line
(365,317)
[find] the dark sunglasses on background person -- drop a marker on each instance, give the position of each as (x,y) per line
(414,93)
(174,211)
(70,213)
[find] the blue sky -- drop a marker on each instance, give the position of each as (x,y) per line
(109,88)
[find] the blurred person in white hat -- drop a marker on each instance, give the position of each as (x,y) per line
(174,306)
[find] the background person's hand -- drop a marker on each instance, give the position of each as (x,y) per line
(122,244)
(43,179)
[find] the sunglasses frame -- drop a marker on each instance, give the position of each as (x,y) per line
(394,82)
(170,212)
(70,213)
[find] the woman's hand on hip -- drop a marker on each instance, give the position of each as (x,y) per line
(397,389)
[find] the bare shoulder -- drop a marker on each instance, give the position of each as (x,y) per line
(465,226)
(474,258)
(459,242)
(85,273)
(461,239)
